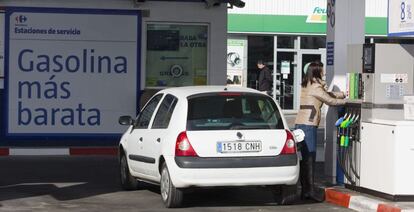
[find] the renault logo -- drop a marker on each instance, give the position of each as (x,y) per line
(239,135)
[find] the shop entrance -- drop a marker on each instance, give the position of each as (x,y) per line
(307,56)
(285,56)
(289,71)
(312,56)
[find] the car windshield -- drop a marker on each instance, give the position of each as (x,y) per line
(230,111)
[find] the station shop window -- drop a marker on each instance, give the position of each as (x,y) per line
(286,42)
(312,42)
(176,55)
(259,48)
(394,40)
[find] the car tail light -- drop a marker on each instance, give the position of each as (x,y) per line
(183,146)
(290,145)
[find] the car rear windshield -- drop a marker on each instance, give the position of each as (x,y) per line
(231,111)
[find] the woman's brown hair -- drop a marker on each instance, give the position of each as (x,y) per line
(314,70)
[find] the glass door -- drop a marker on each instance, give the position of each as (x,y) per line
(286,72)
(311,56)
(307,56)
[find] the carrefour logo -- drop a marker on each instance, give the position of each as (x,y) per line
(21,19)
(318,16)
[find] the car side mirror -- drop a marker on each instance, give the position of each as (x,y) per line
(299,135)
(126,120)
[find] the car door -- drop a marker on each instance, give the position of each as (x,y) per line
(139,135)
(159,132)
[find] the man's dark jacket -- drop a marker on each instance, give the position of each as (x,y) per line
(265,79)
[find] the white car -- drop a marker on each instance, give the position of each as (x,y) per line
(208,136)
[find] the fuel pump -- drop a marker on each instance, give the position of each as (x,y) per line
(375,142)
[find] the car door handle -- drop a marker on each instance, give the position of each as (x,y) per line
(158,140)
(140,139)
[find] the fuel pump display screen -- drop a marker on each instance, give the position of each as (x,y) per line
(368,59)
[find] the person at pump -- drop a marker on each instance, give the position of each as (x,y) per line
(265,78)
(313,95)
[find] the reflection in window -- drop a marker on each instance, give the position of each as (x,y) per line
(164,113)
(259,48)
(176,55)
(145,116)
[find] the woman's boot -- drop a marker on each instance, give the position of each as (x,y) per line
(312,194)
(303,174)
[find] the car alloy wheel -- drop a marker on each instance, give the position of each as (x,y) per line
(165,185)
(171,196)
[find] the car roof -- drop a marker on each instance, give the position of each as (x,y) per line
(183,92)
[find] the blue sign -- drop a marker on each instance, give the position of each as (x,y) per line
(68,77)
(330,47)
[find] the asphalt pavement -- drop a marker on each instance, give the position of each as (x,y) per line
(91,183)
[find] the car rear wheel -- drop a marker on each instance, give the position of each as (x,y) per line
(171,196)
(128,182)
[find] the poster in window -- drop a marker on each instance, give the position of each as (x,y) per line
(235,61)
(285,67)
(176,55)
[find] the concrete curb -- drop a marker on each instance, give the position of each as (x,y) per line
(351,200)
(59,151)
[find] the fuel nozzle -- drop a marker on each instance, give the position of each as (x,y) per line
(344,142)
(338,125)
(339,121)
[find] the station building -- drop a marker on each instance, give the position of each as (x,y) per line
(69,69)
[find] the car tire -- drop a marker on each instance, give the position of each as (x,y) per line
(171,196)
(128,182)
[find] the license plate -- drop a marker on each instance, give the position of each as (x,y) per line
(239,146)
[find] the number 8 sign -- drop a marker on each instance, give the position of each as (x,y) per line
(402,10)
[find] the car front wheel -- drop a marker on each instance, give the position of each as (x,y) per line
(171,196)
(128,182)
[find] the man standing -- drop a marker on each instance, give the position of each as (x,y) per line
(265,78)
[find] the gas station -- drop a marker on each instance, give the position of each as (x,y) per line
(59,99)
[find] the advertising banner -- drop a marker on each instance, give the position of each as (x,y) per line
(400,17)
(70,72)
(235,54)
